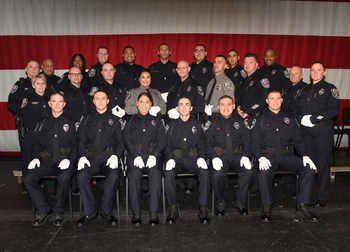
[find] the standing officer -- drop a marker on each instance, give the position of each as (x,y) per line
(127,72)
(48,69)
(274,136)
(100,145)
(95,75)
(278,75)
(54,152)
(185,152)
(235,72)
(228,142)
(201,69)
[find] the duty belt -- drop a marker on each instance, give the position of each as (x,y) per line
(150,148)
(271,150)
(192,152)
(220,150)
(47,154)
(107,150)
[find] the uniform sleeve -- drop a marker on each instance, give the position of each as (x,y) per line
(247,141)
(82,137)
(127,140)
(37,147)
(261,103)
(210,141)
(201,143)
(119,147)
(256,139)
(130,103)
(14,99)
(72,156)
(161,102)
(27,114)
(160,139)
(199,103)
(298,141)
(168,150)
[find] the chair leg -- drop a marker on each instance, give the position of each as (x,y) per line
(117,197)
(163,193)
(347,153)
(127,195)
(80,206)
(248,201)
(212,201)
(33,207)
(70,204)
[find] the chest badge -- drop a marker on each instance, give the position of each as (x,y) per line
(286,120)
(251,83)
(174,70)
(273,72)
(236,125)
(66,127)
(188,88)
(204,70)
(194,130)
(24,102)
(235,74)
(218,87)
(321,91)
(110,122)
(153,123)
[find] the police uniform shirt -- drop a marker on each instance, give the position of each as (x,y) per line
(189,89)
(16,94)
(184,135)
(64,82)
(202,73)
(147,127)
(127,75)
(95,75)
(131,99)
(215,134)
(163,75)
(52,82)
(289,96)
(278,76)
(110,137)
(237,75)
(223,86)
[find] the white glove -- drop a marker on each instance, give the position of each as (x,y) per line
(305,121)
(154,110)
(118,111)
(173,114)
(112,162)
(170,164)
(165,96)
(138,162)
(151,161)
(217,164)
(82,162)
(307,160)
(33,163)
(201,163)
(246,163)
(207,109)
(64,164)
(264,163)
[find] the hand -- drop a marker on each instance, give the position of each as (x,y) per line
(173,114)
(239,111)
(264,163)
(208,109)
(307,160)
(217,164)
(201,163)
(138,162)
(170,164)
(154,110)
(112,162)
(164,96)
(305,121)
(64,164)
(118,111)
(151,161)
(33,163)
(246,163)
(82,162)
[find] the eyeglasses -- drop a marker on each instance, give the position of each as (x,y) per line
(75,74)
(199,50)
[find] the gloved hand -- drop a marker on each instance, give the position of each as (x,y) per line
(246,163)
(118,111)
(154,110)
(201,163)
(112,162)
(264,163)
(305,121)
(307,160)
(217,163)
(138,162)
(170,164)
(82,162)
(208,110)
(173,114)
(164,96)
(151,161)
(64,164)
(33,163)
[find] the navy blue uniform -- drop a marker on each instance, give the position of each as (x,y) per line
(95,75)
(289,96)
(202,73)
(278,76)
(52,82)
(64,82)
(237,75)
(127,75)
(163,75)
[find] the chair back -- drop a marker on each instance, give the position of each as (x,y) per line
(346,116)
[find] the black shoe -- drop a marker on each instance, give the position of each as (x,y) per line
(58,221)
(110,218)
(242,209)
(303,211)
(173,214)
(266,213)
(320,203)
(145,191)
(75,191)
(203,215)
(86,219)
(253,192)
(136,219)
(189,189)
(220,208)
(41,219)
(153,219)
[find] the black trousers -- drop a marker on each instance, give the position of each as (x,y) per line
(27,150)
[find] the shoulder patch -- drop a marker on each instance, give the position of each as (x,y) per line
(92,72)
(286,74)
(24,102)
(200,90)
(243,73)
(60,80)
(335,93)
(61,92)
(228,86)
(14,89)
(93,91)
(206,126)
(248,126)
(265,83)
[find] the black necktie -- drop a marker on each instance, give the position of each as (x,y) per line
(144,135)
(278,151)
(98,135)
(229,149)
(211,92)
(309,99)
(44,106)
(55,142)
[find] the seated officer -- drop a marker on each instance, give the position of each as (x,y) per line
(185,152)
(54,152)
(100,145)
(274,135)
(228,142)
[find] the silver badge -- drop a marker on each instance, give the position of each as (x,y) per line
(110,122)
(228,86)
(194,130)
(321,91)
(204,70)
(273,72)
(92,72)
(24,102)
(286,120)
(14,89)
(154,123)
(66,127)
(235,74)
(200,91)
(236,125)
(265,83)
(218,87)
(206,126)
(188,88)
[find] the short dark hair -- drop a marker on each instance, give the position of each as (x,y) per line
(102,47)
(33,61)
(319,62)
(128,47)
(274,91)
(248,55)
(201,45)
(232,50)
(101,91)
(184,97)
(145,94)
(226,96)
(82,59)
(221,56)
(163,44)
(145,70)
(58,93)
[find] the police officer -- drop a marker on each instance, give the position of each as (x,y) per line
(274,136)
(163,72)
(220,85)
(48,69)
(127,72)
(278,75)
(228,142)
(317,104)
(158,103)
(185,152)
(54,152)
(144,137)
(235,72)
(100,145)
(94,73)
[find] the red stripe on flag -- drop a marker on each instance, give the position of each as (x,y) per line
(7,121)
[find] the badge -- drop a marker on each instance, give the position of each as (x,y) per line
(247,125)
(200,90)
(286,120)
(120,90)
(24,102)
(236,125)
(204,70)
(14,89)
(154,123)
(122,123)
(66,127)
(93,91)
(228,86)
(273,72)
(76,126)
(206,126)
(243,73)
(26,89)
(218,87)
(92,72)
(110,122)
(194,130)
(128,96)
(321,91)
(286,74)
(60,80)
(265,83)
(174,70)
(335,93)
(251,83)
(235,74)
(188,88)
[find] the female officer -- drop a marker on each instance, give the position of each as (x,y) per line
(144,137)
(317,104)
